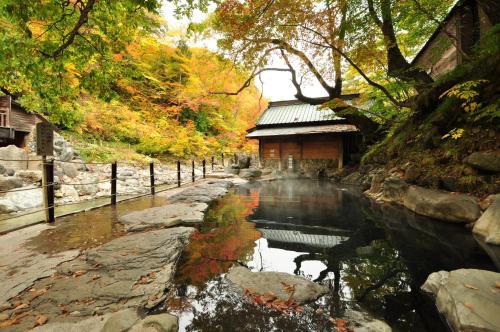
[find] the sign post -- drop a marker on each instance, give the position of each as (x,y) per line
(44,148)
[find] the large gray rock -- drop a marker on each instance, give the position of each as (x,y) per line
(67,153)
(121,321)
(442,205)
(21,200)
(242,160)
(489,224)
(70,169)
(250,173)
(88,186)
(262,282)
(157,323)
(467,298)
(164,216)
(232,169)
(132,271)
(9,182)
(17,155)
(203,193)
(29,176)
(353,178)
(485,160)
(394,190)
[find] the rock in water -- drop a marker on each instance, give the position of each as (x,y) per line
(489,223)
(250,173)
(485,160)
(394,190)
(466,298)
(262,282)
(164,216)
(441,205)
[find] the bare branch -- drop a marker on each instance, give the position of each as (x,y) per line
(70,37)
(246,84)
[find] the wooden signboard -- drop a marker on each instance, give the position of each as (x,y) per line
(44,139)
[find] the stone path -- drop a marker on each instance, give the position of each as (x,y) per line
(77,290)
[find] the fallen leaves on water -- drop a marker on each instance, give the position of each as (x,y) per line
(271,301)
(340,324)
(40,320)
(15,319)
(470,287)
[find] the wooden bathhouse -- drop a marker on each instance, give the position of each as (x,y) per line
(299,137)
(16,123)
(466,23)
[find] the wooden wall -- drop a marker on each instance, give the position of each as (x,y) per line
(20,120)
(325,147)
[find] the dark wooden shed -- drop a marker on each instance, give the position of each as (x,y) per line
(16,123)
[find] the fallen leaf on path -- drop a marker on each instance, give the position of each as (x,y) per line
(468,305)
(21,306)
(14,320)
(470,287)
(40,320)
(497,284)
(79,273)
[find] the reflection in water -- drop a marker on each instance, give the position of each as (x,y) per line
(373,257)
(89,229)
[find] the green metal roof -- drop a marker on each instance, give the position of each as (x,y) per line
(294,112)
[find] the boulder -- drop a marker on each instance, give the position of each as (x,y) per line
(467,298)
(262,282)
(121,321)
(232,169)
(17,155)
(9,182)
(250,173)
(67,154)
(489,224)
(412,172)
(69,169)
(29,176)
(164,216)
(69,192)
(21,200)
(3,170)
(394,190)
(157,323)
(87,186)
(442,205)
(377,180)
(10,172)
(242,160)
(485,203)
(203,193)
(485,160)
(353,178)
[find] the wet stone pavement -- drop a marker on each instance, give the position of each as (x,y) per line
(87,267)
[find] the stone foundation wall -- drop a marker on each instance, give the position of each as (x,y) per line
(313,168)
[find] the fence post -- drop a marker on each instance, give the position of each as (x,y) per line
(192,170)
(213,163)
(152,177)
(113,183)
(48,167)
(223,160)
(178,173)
(204,170)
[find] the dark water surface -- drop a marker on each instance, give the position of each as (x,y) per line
(373,257)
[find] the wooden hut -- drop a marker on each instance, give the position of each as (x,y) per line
(466,23)
(296,136)
(16,123)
